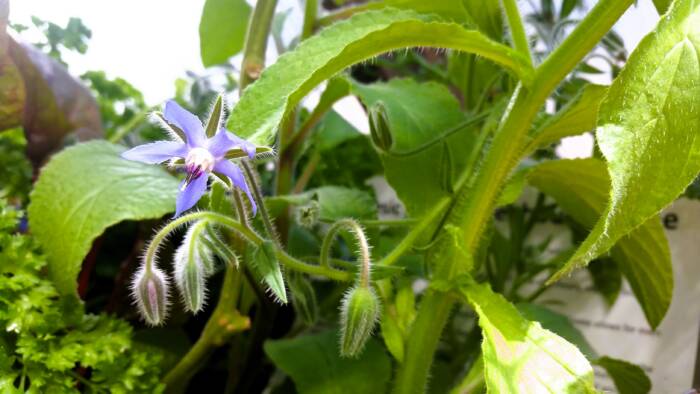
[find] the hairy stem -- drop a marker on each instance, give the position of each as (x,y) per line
(475,202)
(517,30)
(257,194)
(362,245)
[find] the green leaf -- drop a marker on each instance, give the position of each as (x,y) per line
(487,15)
(315,366)
(577,117)
(648,129)
(662,5)
(267,268)
(222,30)
(332,131)
(285,83)
(558,324)
(628,378)
(425,152)
(607,278)
(520,355)
(340,202)
(82,191)
(580,187)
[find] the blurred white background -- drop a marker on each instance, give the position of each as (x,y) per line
(151,43)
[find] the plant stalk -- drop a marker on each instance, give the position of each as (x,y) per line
(475,202)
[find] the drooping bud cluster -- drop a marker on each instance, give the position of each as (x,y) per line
(193,263)
(150,288)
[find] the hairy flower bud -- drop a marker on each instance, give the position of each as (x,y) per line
(359,313)
(379,127)
(189,279)
(150,289)
(193,263)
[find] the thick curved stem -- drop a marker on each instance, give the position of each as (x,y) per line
(475,201)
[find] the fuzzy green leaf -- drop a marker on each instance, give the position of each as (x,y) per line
(648,130)
(580,187)
(521,356)
(267,268)
(222,30)
(282,85)
(313,363)
(82,191)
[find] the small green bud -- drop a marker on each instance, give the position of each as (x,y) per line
(150,290)
(307,215)
(379,126)
(359,313)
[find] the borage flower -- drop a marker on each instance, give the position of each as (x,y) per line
(201,155)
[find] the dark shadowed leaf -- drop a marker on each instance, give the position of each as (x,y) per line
(314,364)
(57,105)
(11,87)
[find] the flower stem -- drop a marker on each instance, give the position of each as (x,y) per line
(362,244)
(257,194)
(224,322)
(252,237)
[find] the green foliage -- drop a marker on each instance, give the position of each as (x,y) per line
(580,188)
(649,117)
(368,34)
(267,269)
(578,116)
(521,355)
(313,363)
(429,139)
(16,173)
(73,37)
(48,345)
(628,378)
(119,101)
(69,209)
(222,30)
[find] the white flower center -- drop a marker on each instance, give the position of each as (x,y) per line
(199,160)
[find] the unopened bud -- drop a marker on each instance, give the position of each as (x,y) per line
(359,313)
(190,272)
(379,127)
(150,290)
(307,215)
